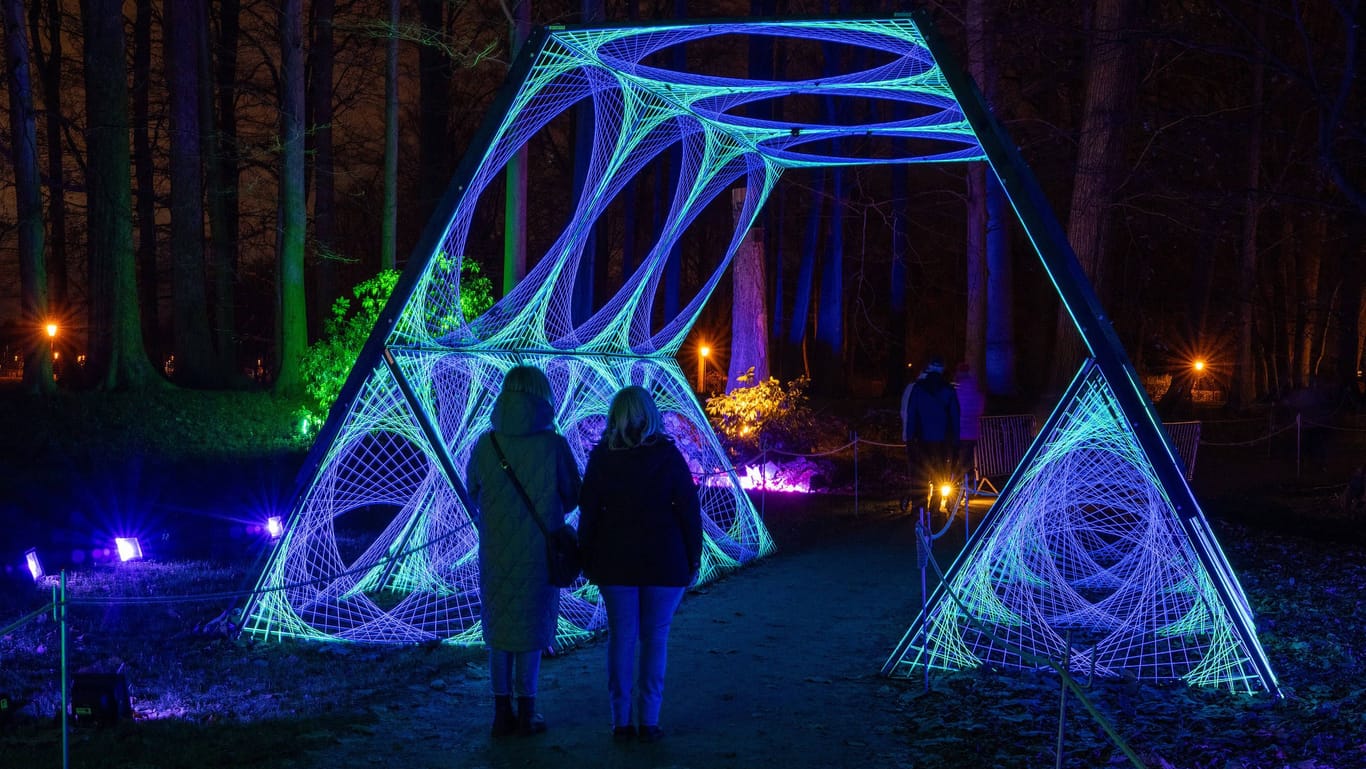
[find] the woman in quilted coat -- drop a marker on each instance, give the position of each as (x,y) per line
(640,533)
(520,608)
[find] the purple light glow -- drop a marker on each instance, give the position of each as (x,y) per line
(35,566)
(128,547)
(791,478)
(275,527)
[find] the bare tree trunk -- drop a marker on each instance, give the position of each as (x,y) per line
(830,376)
(434,107)
(1284,292)
(145,194)
(1109,88)
(1326,296)
(593,253)
(224,203)
(388,247)
(975,301)
(116,350)
(514,209)
(806,272)
(749,315)
(29,200)
(293,315)
(195,359)
(1307,311)
(975,322)
(221,267)
(324,182)
(1000,347)
(50,69)
(1242,388)
(1349,336)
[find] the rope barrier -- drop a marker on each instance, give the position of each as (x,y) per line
(1326,426)
(818,454)
(1252,442)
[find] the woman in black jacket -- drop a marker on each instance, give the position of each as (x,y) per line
(640,531)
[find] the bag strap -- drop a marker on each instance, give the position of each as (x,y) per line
(531,508)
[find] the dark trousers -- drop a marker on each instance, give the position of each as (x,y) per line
(931,463)
(967,450)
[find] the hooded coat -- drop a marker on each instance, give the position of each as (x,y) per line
(929,411)
(520,608)
(640,522)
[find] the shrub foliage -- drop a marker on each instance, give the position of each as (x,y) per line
(327,362)
(763,415)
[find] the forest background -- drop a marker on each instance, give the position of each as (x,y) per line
(202,180)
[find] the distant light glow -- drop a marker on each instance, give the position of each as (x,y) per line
(51,329)
(275,527)
(129,548)
(1199,365)
(35,566)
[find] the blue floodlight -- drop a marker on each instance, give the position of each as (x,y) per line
(275,527)
(129,548)
(35,565)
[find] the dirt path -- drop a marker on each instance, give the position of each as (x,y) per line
(775,666)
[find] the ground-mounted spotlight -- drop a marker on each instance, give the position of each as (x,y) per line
(129,548)
(275,527)
(35,564)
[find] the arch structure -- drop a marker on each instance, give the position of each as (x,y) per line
(395,445)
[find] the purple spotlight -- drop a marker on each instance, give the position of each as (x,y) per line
(35,566)
(275,526)
(128,547)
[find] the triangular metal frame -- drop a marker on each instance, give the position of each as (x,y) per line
(1082,558)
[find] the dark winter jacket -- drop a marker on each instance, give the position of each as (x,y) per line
(929,411)
(520,608)
(640,522)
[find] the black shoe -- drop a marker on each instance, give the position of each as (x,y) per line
(528,720)
(623,733)
(651,733)
(504,719)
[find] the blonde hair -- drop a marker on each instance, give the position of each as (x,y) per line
(527,379)
(633,419)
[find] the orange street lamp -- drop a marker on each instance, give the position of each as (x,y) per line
(1199,365)
(51,330)
(702,352)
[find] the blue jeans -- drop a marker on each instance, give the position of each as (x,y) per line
(527,666)
(638,614)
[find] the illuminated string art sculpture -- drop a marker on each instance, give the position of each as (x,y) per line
(380,546)
(1084,558)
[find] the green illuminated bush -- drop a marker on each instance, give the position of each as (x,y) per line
(763,415)
(327,362)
